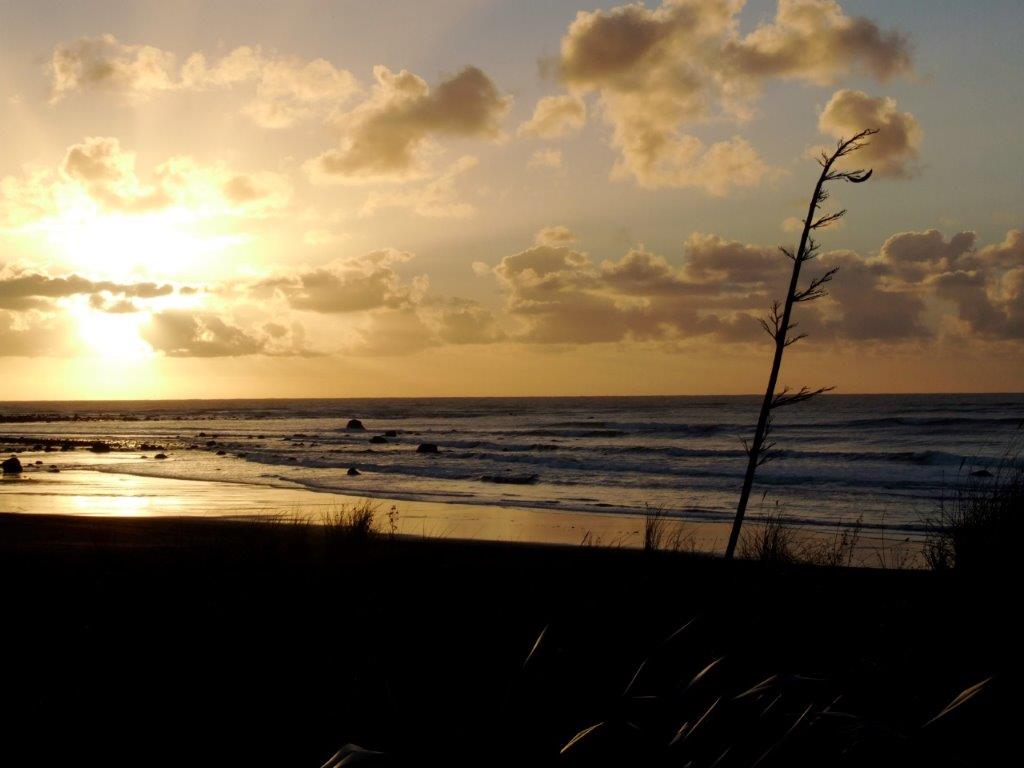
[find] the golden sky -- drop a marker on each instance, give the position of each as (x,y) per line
(340,198)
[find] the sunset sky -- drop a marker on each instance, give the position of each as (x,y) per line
(485,197)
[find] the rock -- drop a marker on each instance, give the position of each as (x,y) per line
(160,456)
(222,453)
(99,447)
(510,479)
(38,463)
(67,446)
(211,442)
(48,448)
(391,433)
(354,424)
(378,439)
(426,448)
(12,466)
(981,473)
(53,468)
(352,472)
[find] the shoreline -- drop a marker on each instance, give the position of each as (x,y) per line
(107,494)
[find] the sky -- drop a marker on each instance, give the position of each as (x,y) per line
(476,197)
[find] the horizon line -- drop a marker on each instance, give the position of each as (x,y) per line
(494,397)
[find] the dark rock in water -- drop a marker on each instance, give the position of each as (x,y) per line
(53,468)
(391,433)
(222,453)
(211,442)
(981,473)
(48,448)
(12,466)
(67,446)
(352,471)
(160,456)
(354,424)
(510,479)
(378,439)
(426,448)
(38,463)
(99,447)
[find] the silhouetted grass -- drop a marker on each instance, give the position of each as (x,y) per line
(663,532)
(979,525)
(774,540)
(837,550)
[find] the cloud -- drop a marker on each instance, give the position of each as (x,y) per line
(865,307)
(107,174)
(815,41)
(437,199)
(546,159)
(386,137)
(22,291)
(986,286)
(35,335)
(912,256)
(719,287)
(462,321)
(557,235)
(99,171)
(392,332)
(104,63)
(183,333)
(555,116)
(286,89)
(657,70)
(347,285)
(893,151)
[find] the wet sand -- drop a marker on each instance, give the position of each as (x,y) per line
(88,492)
(82,491)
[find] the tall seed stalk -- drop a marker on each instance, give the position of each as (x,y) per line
(779,322)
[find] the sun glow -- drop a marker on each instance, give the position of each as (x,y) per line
(166,244)
(113,336)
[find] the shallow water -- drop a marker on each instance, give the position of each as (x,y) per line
(888,458)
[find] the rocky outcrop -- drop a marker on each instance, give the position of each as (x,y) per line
(354,424)
(378,439)
(11,466)
(99,447)
(352,472)
(426,448)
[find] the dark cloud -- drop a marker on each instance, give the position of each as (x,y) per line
(182,333)
(350,285)
(26,291)
(384,136)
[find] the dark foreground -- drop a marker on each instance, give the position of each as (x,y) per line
(194,643)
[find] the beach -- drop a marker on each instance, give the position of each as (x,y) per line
(184,641)
(105,494)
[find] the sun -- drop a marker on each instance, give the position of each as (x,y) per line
(169,244)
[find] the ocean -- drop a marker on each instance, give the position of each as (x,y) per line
(885,459)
